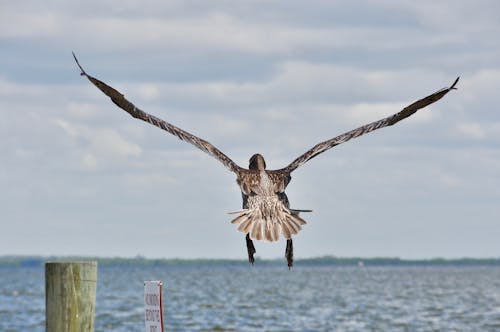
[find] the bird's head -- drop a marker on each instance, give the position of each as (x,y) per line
(257,162)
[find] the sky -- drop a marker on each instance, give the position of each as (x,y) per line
(78,176)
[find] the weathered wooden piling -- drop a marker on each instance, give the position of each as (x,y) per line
(70,290)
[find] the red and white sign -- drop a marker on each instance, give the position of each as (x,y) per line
(153,306)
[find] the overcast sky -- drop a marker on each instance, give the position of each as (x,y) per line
(78,176)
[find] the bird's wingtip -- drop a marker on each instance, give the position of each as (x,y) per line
(83,73)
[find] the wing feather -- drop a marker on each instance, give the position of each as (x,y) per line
(388,121)
(120,101)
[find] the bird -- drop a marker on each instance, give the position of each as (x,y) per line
(266,214)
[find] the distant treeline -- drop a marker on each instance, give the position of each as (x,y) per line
(35,261)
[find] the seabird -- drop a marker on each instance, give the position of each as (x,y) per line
(266,212)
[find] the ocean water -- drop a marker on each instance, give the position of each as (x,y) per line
(236,297)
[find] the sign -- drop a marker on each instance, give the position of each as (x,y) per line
(153,306)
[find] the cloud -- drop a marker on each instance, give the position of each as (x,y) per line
(148,91)
(304,83)
(94,145)
(450,180)
(213,30)
(260,76)
(225,28)
(472,130)
(15,24)
(149,180)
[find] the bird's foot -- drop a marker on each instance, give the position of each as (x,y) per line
(250,249)
(289,253)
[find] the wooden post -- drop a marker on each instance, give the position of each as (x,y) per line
(70,289)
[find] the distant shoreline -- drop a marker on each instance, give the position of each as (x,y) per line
(34,261)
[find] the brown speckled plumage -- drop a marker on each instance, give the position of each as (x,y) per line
(266,213)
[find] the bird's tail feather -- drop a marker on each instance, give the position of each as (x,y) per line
(268,226)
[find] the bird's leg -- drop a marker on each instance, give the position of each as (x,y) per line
(289,253)
(250,249)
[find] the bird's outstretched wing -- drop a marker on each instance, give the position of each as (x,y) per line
(389,121)
(124,104)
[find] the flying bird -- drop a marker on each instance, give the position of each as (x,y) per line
(266,212)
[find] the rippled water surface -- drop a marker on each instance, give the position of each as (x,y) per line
(224,297)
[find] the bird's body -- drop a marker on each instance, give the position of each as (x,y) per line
(266,210)
(266,214)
